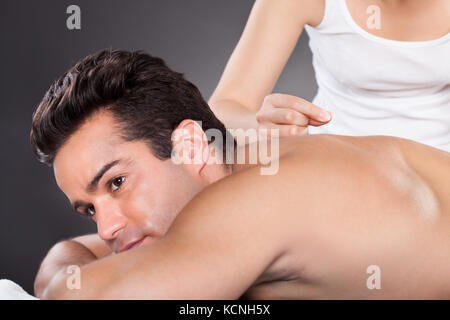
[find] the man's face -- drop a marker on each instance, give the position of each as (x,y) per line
(128,192)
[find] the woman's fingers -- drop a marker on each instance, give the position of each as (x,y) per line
(300,105)
(287,116)
(315,123)
(282,116)
(290,115)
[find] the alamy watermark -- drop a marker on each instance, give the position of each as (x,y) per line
(73,282)
(374,281)
(374,20)
(73,21)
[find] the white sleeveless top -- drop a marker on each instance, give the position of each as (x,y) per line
(376,86)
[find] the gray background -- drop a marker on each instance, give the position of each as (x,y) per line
(195,37)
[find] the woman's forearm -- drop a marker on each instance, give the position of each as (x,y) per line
(233,114)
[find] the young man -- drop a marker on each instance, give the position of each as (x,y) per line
(205,230)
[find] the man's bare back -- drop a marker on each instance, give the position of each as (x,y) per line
(369,201)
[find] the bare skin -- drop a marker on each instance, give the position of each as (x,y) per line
(309,231)
(243,96)
(269,38)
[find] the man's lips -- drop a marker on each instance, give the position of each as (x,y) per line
(132,244)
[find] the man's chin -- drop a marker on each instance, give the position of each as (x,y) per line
(148,240)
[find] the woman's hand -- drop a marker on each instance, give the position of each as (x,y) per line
(291,115)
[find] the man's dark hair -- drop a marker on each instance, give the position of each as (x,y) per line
(146,97)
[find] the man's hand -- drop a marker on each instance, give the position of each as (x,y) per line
(290,114)
(78,251)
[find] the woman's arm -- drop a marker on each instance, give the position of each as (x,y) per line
(269,37)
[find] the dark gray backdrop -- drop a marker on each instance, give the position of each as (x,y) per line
(195,37)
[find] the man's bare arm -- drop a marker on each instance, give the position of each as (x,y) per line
(218,246)
(95,244)
(77,251)
(60,256)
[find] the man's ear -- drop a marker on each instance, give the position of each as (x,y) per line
(190,145)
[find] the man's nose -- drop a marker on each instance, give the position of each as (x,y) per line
(110,220)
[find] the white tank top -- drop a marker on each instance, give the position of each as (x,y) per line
(376,86)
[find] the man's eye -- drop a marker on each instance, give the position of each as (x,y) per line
(90,211)
(116,183)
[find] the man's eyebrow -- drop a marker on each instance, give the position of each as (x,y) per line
(92,186)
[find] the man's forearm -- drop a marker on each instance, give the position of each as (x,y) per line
(62,255)
(95,244)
